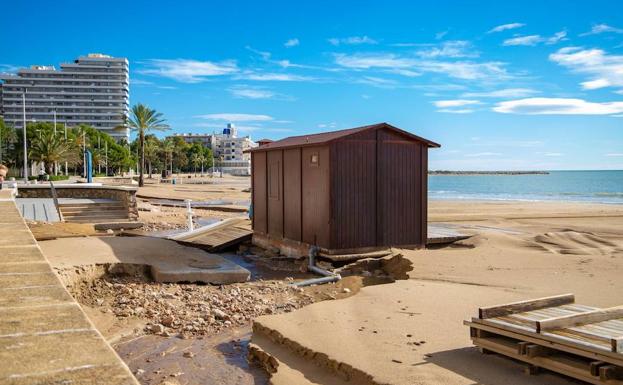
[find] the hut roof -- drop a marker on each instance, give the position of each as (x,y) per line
(326,137)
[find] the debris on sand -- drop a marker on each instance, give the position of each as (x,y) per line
(189,310)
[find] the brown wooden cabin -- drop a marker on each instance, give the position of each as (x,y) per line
(346,191)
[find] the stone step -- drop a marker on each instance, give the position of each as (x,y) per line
(95,213)
(92,207)
(83,204)
(96,220)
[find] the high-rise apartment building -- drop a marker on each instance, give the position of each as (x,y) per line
(92,90)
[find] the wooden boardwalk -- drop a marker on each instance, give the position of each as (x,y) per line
(557,334)
(438,233)
(219,236)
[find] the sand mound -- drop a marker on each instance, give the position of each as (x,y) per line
(576,243)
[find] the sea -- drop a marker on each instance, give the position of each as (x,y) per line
(569,186)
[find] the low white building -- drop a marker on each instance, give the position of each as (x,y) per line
(228,149)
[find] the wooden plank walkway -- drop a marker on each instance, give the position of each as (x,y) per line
(220,236)
(45,337)
(438,233)
(557,334)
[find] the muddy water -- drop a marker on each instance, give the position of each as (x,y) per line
(215,360)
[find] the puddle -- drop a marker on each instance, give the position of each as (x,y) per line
(219,359)
(267,270)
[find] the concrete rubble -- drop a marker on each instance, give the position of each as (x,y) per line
(189,310)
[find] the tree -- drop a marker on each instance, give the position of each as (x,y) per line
(152,149)
(50,148)
(7,136)
(142,120)
(197,159)
(168,148)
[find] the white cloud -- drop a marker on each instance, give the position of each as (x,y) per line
(440,35)
(603,69)
(140,82)
(523,40)
(483,154)
(367,61)
(532,40)
(454,103)
(615,154)
(189,71)
(601,28)
(557,106)
(454,49)
(235,117)
(251,93)
(553,154)
(8,69)
(505,27)
(277,77)
(457,111)
(292,42)
(467,70)
(503,93)
(377,82)
(353,40)
(558,36)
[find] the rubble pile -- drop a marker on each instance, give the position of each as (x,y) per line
(191,310)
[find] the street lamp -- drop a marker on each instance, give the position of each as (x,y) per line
(24,130)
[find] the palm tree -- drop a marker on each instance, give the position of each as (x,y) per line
(49,149)
(151,152)
(144,119)
(168,148)
(197,159)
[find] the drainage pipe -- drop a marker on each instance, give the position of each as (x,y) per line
(311,266)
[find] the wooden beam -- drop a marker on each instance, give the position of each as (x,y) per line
(578,319)
(523,306)
(594,367)
(617,344)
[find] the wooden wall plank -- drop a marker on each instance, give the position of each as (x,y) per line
(523,306)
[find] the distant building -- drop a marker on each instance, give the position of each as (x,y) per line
(92,90)
(228,149)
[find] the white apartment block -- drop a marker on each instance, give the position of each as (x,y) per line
(228,149)
(93,90)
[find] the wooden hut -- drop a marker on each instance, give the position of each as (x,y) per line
(347,191)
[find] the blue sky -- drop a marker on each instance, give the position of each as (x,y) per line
(501,85)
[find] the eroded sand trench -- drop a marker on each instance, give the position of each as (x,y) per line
(196,333)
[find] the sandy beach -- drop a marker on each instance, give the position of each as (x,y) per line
(517,250)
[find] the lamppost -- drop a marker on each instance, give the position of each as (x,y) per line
(24,127)
(55,163)
(65,124)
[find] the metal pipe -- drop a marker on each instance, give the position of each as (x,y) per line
(311,266)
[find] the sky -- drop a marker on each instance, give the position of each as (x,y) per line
(500,85)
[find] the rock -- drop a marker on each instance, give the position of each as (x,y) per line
(167,320)
(157,328)
(345,290)
(139,372)
(110,231)
(219,314)
(189,354)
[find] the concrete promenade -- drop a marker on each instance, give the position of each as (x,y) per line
(45,337)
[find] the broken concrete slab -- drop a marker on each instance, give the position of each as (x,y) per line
(215,270)
(169,261)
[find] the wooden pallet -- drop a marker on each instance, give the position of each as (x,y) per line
(557,334)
